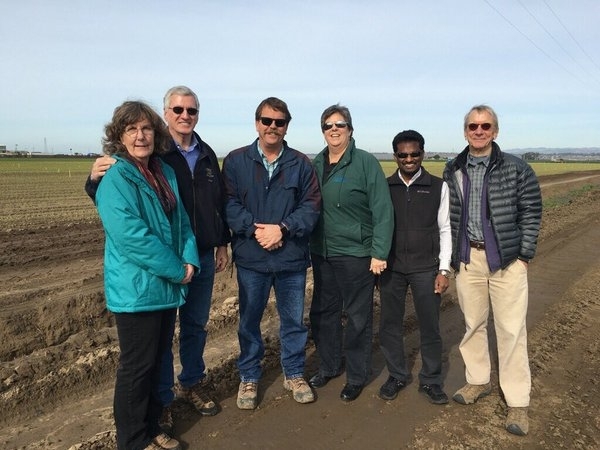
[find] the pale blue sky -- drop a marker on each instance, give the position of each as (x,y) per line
(396,64)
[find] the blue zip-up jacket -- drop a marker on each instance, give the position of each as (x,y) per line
(144,250)
(291,197)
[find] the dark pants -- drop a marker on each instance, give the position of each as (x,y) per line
(343,284)
(394,286)
(143,338)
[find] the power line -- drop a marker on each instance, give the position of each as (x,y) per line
(553,38)
(534,44)
(572,37)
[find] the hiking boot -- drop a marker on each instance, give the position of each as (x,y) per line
(247,395)
(166,420)
(163,442)
(198,396)
(470,393)
(301,391)
(517,421)
(389,390)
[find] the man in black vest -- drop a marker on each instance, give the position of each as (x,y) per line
(419,258)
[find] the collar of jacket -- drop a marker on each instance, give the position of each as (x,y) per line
(132,173)
(346,157)
(253,153)
(495,156)
(173,145)
(423,180)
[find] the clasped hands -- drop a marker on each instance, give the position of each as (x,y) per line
(268,236)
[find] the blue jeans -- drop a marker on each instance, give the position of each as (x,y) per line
(343,284)
(143,340)
(193,317)
(254,289)
(394,286)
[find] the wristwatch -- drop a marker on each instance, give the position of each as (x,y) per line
(284,230)
(444,273)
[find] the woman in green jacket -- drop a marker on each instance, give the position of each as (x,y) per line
(349,247)
(150,254)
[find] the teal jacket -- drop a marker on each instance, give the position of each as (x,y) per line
(144,250)
(357,216)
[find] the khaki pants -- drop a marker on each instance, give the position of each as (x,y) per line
(507,292)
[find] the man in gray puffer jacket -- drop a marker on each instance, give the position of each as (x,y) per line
(495,214)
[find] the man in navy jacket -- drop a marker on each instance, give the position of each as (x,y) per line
(273,203)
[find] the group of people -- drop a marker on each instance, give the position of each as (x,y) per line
(169,212)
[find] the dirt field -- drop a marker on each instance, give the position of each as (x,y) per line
(59,351)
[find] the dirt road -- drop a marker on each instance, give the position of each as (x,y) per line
(59,353)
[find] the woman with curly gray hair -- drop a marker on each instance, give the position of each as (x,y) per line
(150,254)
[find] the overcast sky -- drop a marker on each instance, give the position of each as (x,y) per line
(397,64)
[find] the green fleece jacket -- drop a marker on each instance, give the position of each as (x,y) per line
(357,217)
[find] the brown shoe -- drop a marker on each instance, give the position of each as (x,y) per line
(163,442)
(517,421)
(470,393)
(198,396)
(247,395)
(301,391)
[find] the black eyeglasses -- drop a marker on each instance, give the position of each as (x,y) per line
(179,110)
(484,126)
(339,124)
(406,155)
(267,121)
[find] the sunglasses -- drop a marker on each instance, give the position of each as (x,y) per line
(267,121)
(406,155)
(180,109)
(484,126)
(339,124)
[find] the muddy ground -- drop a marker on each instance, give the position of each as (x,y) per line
(58,354)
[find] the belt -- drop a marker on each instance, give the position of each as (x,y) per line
(479,245)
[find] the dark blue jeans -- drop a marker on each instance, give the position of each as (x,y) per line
(343,284)
(193,317)
(254,289)
(143,339)
(394,286)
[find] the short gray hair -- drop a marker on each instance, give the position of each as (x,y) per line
(179,90)
(481,109)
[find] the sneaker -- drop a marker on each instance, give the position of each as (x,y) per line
(163,442)
(301,391)
(247,395)
(197,395)
(470,393)
(389,390)
(166,420)
(517,421)
(435,393)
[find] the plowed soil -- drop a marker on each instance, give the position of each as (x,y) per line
(58,354)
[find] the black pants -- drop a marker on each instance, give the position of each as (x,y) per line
(343,284)
(143,338)
(394,286)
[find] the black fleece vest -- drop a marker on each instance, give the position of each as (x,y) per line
(416,241)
